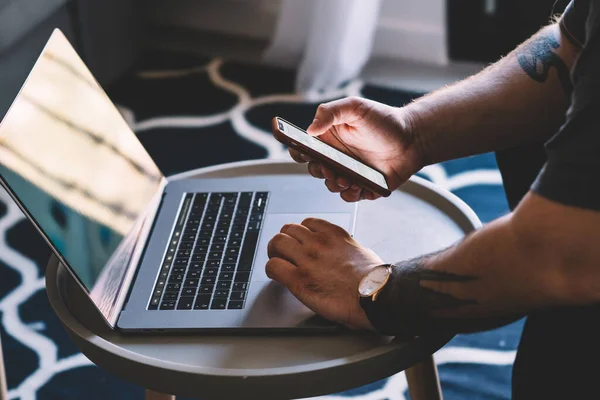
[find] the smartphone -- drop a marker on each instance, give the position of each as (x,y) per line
(341,163)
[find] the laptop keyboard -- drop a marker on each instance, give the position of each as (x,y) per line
(211,252)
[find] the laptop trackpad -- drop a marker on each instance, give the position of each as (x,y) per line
(272,226)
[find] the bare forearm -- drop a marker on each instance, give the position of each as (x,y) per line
(520,99)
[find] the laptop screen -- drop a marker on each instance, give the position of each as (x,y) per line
(76,167)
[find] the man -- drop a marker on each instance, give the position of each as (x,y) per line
(542,260)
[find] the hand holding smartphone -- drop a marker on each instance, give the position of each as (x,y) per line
(340,162)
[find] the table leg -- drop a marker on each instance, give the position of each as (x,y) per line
(423,381)
(3,394)
(152,395)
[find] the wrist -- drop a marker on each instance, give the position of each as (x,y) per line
(412,116)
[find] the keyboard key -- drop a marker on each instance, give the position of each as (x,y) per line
(202,302)
(240,286)
(245,199)
(164,274)
(205,289)
(190,237)
(217,247)
(195,274)
(211,272)
(200,198)
(230,259)
(226,276)
(213,264)
(221,231)
(208,226)
(210,218)
(189,291)
(244,266)
(240,220)
(154,303)
(242,277)
(235,305)
(254,226)
(186,245)
(178,270)
(249,248)
(171,296)
(219,239)
(238,295)
(234,243)
(224,224)
(161,283)
(205,233)
(184,253)
(236,235)
(218,304)
(262,195)
(191,230)
(173,287)
(228,268)
(198,257)
(226,216)
(191,283)
(167,305)
(176,278)
(256,218)
(208,280)
(185,303)
(223,285)
(216,255)
(221,294)
(232,251)
(203,242)
(238,228)
(196,265)
(181,261)
(200,249)
(158,291)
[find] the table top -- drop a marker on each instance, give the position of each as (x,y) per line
(415,219)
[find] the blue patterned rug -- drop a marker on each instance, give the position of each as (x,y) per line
(190,113)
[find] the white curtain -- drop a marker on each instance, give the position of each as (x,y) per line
(328,41)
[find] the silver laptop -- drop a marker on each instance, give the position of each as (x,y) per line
(152,254)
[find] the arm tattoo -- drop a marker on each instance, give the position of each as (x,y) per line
(537,58)
(413,309)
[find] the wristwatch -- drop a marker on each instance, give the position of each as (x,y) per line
(373,283)
(369,288)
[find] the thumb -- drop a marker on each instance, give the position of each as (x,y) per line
(343,111)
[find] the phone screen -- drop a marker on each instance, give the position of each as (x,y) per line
(332,153)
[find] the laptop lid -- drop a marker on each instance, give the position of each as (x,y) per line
(79,173)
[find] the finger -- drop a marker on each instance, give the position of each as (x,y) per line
(351,195)
(299,157)
(333,187)
(314,168)
(320,225)
(297,231)
(343,111)
(328,173)
(368,195)
(343,182)
(282,271)
(286,247)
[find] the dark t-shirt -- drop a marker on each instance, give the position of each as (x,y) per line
(560,348)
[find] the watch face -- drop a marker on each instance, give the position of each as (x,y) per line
(373,281)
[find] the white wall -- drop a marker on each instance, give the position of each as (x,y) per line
(412,29)
(407,29)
